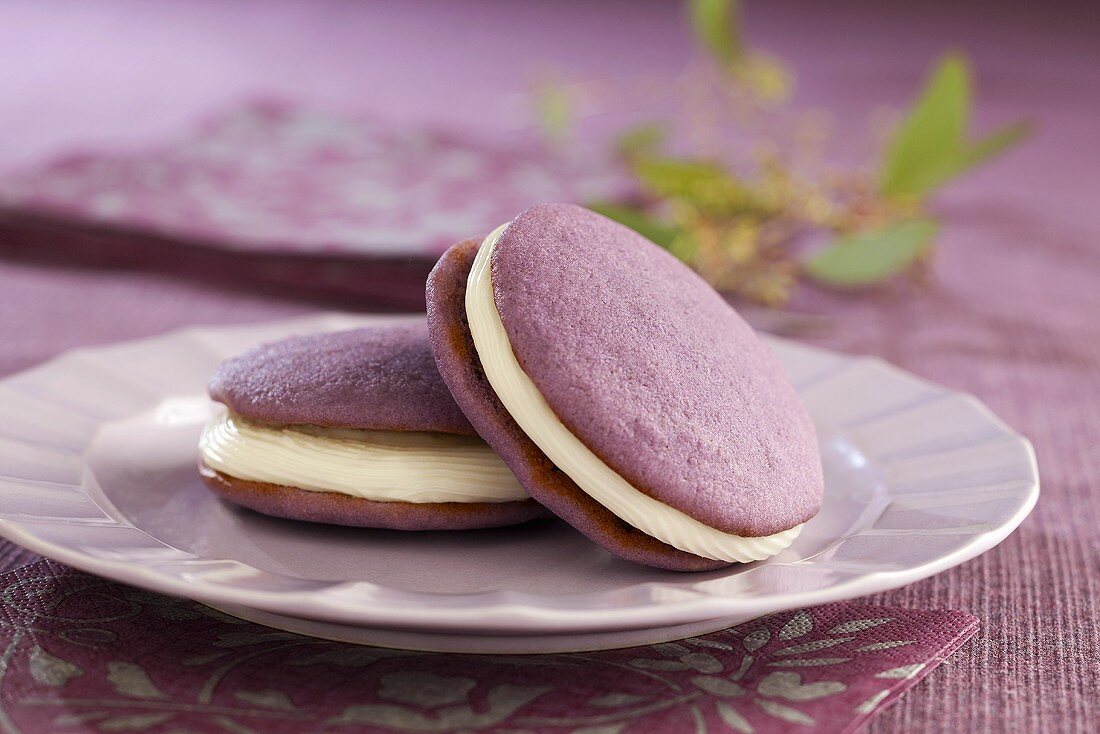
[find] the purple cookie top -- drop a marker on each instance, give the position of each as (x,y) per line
(654,372)
(376,378)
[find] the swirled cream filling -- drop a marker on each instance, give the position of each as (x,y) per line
(530,411)
(384,466)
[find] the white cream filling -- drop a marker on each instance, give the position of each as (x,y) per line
(530,411)
(384,466)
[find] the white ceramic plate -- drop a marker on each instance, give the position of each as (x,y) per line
(97,470)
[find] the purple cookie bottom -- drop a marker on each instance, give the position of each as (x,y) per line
(341,509)
(460,367)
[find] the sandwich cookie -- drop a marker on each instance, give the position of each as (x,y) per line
(625,394)
(354,428)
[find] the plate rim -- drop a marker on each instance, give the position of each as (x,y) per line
(357,602)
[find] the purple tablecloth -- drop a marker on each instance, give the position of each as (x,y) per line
(1014,315)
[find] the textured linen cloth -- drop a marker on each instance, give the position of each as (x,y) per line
(83,654)
(1011,315)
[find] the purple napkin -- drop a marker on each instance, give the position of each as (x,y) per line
(82,654)
(289,197)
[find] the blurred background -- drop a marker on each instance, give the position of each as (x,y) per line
(331,150)
(123,75)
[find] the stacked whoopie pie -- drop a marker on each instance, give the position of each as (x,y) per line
(615,386)
(354,428)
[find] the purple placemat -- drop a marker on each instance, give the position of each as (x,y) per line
(291,198)
(82,654)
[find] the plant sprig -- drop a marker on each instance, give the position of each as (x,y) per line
(742,224)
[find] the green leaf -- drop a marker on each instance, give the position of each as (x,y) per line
(926,148)
(678,176)
(864,259)
(554,110)
(704,185)
(716,27)
(648,226)
(931,147)
(641,140)
(994,144)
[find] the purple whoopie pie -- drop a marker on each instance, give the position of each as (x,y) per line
(624,393)
(354,428)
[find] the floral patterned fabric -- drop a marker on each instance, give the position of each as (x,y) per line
(294,198)
(82,654)
(272,176)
